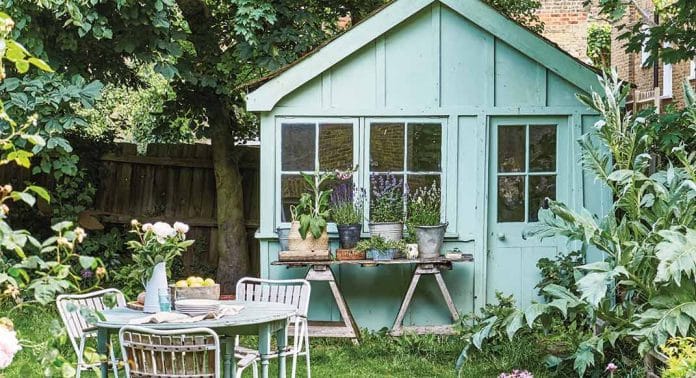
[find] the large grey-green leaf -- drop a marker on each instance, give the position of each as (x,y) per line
(677,256)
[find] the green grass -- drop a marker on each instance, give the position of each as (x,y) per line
(376,356)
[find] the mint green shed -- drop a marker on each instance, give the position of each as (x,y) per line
(450,91)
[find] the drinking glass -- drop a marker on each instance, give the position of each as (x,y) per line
(165,302)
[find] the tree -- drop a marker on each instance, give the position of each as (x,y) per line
(668,30)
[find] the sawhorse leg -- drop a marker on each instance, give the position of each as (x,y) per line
(424,269)
(349,329)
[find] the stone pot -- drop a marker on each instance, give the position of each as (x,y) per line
(296,243)
(157,282)
(393,231)
(348,235)
(430,240)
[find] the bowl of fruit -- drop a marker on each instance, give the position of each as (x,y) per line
(195,288)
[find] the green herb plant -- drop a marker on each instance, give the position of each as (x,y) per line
(424,206)
(312,211)
(380,244)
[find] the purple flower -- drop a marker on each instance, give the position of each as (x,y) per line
(86,273)
(517,374)
(611,367)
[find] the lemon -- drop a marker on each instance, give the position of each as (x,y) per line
(195,284)
(208,282)
(192,279)
(181,283)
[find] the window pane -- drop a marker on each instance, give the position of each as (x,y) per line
(542,148)
(291,188)
(418,181)
(540,187)
(335,146)
(511,146)
(424,141)
(386,147)
(388,188)
(298,148)
(511,199)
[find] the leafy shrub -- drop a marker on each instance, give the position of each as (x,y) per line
(642,290)
(424,206)
(559,271)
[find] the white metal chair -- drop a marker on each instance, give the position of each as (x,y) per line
(292,292)
(193,352)
(79,330)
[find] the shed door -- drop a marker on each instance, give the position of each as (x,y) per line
(529,161)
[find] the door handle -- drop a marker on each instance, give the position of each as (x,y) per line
(501,236)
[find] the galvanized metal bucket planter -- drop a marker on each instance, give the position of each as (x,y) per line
(283,233)
(348,235)
(430,240)
(393,231)
(382,255)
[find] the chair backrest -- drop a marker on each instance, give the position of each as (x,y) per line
(292,292)
(193,352)
(74,322)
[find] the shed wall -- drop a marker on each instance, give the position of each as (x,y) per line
(435,64)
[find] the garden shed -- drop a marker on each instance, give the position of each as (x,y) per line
(449,91)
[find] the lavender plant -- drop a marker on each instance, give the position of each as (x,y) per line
(424,206)
(387,203)
(347,204)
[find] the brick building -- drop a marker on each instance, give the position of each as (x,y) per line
(567,23)
(661,81)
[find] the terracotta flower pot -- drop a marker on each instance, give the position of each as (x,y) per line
(296,243)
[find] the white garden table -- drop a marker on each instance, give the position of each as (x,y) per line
(262,319)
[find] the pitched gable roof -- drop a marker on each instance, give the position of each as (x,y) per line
(323,58)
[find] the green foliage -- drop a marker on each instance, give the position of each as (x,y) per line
(312,211)
(681,357)
(387,200)
(599,44)
(676,27)
(522,11)
(380,244)
(642,291)
(424,206)
(347,204)
(559,271)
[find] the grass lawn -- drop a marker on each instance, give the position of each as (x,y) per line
(377,356)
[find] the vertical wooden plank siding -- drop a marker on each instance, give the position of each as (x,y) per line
(445,63)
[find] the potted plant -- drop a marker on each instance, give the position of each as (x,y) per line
(380,249)
(387,207)
(424,217)
(347,203)
(310,215)
(154,250)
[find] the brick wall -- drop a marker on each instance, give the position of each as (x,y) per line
(566,24)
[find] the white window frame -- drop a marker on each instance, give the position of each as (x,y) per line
(667,78)
(644,54)
(357,153)
(692,70)
(446,214)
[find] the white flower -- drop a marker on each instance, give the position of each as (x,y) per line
(147,227)
(181,228)
(640,119)
(162,231)
(9,346)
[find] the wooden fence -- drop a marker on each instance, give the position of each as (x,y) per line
(171,183)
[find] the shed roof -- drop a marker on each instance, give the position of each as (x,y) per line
(282,82)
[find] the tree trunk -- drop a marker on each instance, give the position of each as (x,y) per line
(233,253)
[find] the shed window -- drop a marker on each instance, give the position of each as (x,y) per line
(309,147)
(526,170)
(410,151)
